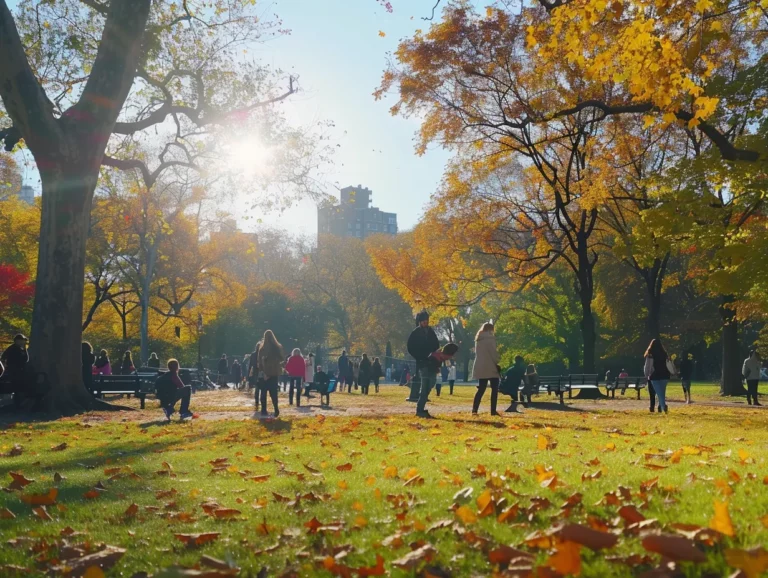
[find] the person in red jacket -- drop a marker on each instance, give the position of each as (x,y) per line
(296,369)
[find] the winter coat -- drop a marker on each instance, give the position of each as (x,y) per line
(486,357)
(295,366)
(686,370)
(376,372)
(237,372)
(656,369)
(223,366)
(513,378)
(343,365)
(364,370)
(751,368)
(421,344)
(153,362)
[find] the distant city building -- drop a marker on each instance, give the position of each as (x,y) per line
(27,194)
(354,216)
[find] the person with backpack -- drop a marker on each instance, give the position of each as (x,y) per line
(751,372)
(511,384)
(486,367)
(364,374)
(296,369)
(658,369)
(270,362)
(376,373)
(170,389)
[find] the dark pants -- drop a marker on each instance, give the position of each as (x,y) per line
(258,384)
(182,393)
(652,396)
(481,387)
(364,385)
(269,385)
(752,390)
(295,385)
(376,383)
(350,382)
(426,380)
(451,383)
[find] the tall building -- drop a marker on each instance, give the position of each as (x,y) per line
(354,216)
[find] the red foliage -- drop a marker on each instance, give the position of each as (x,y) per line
(15,288)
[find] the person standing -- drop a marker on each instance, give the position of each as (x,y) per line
(270,362)
(88,359)
(223,369)
(255,375)
(356,373)
(350,375)
(343,364)
(364,374)
(296,369)
(422,342)
(376,373)
(309,372)
(126,367)
(751,372)
(486,367)
(237,373)
(513,378)
(658,369)
(389,374)
(153,361)
(15,358)
(531,382)
(686,375)
(451,377)
(102,365)
(443,378)
(171,389)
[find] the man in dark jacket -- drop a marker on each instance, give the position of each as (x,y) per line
(686,375)
(343,369)
(421,344)
(15,359)
(254,376)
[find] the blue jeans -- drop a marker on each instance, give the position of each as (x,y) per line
(427,379)
(660,387)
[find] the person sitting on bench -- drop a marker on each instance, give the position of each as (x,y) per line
(171,389)
(15,358)
(320,382)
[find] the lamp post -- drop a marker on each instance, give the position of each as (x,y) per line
(199,331)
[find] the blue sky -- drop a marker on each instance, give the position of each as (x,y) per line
(335,49)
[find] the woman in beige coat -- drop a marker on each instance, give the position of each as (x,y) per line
(486,367)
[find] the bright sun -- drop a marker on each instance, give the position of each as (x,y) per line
(250,157)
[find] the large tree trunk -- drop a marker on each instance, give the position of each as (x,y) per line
(730,379)
(57,315)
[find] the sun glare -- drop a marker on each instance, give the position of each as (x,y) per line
(250,157)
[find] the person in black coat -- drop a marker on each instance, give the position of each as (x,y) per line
(511,382)
(422,342)
(153,361)
(364,377)
(237,373)
(88,359)
(376,373)
(223,370)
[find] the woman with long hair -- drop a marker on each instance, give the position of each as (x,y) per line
(364,374)
(271,364)
(127,367)
(102,365)
(486,367)
(658,370)
(376,373)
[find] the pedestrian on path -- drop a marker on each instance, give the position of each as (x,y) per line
(486,367)
(364,374)
(296,369)
(422,342)
(271,363)
(343,364)
(658,370)
(451,377)
(686,375)
(751,372)
(376,373)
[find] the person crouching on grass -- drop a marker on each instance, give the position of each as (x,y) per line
(171,389)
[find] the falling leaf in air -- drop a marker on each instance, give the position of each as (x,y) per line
(721,521)
(382,34)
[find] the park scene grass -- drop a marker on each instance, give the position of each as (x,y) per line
(592,489)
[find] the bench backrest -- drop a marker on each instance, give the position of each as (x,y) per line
(114,381)
(545,380)
(583,379)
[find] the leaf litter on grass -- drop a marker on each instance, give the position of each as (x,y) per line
(367,497)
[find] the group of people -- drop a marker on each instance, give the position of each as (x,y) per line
(354,373)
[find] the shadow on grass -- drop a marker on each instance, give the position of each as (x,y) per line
(272,424)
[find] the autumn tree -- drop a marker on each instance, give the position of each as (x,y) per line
(67,72)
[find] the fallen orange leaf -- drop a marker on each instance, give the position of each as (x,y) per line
(752,562)
(566,559)
(41,499)
(721,521)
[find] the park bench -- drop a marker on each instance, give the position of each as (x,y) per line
(582,381)
(125,384)
(323,391)
(556,384)
(625,383)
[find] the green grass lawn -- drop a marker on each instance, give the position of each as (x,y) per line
(361,496)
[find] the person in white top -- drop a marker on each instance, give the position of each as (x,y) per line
(451,376)
(751,372)
(486,368)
